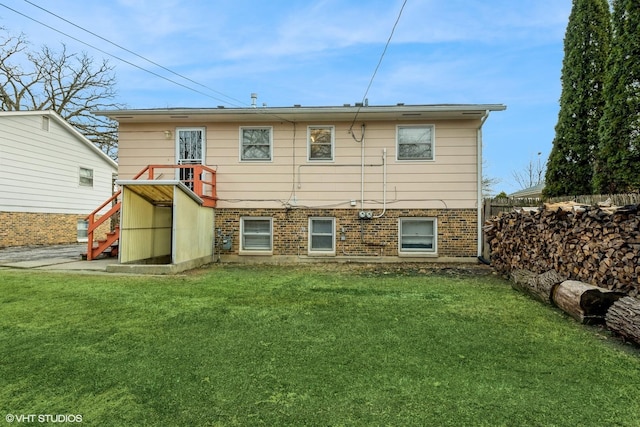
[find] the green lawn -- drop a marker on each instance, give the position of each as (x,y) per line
(317,346)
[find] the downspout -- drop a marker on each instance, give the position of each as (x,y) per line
(362,169)
(479,167)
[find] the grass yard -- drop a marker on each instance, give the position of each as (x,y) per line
(315,346)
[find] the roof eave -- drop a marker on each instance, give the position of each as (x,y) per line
(298,113)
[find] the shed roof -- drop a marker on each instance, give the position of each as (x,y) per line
(158,192)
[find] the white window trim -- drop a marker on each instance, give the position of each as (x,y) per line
(85,228)
(80,183)
(270,145)
(322,252)
(333,145)
(242,251)
(418,253)
(189,129)
(180,161)
(433,143)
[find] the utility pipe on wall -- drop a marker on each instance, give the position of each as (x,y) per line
(361,142)
(384,183)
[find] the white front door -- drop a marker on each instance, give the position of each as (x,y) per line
(190,150)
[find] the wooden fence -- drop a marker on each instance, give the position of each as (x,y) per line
(493,207)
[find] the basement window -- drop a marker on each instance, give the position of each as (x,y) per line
(82,230)
(418,236)
(415,142)
(257,235)
(322,236)
(86,177)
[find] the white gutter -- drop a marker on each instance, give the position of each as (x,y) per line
(480,201)
(301,113)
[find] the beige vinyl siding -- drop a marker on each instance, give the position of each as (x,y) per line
(142,145)
(450,180)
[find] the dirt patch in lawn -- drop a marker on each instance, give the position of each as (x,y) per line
(411,269)
(372,269)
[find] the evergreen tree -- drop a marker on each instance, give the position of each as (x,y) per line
(586,49)
(618,159)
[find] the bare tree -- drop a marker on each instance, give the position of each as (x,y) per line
(69,84)
(487,186)
(531,175)
(488,182)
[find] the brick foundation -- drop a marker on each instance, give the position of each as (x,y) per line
(378,237)
(30,229)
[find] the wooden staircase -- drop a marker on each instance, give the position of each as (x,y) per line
(96,247)
(203,188)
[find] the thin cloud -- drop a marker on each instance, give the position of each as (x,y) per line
(323,52)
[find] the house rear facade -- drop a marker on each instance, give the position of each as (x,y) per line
(51,177)
(387,183)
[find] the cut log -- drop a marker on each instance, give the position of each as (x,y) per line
(547,282)
(521,279)
(539,286)
(623,318)
(585,303)
(563,206)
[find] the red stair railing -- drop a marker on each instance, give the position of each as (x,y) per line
(202,182)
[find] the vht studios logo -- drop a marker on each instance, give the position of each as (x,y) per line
(43,418)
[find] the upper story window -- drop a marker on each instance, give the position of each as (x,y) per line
(320,143)
(86,177)
(256,144)
(190,145)
(415,142)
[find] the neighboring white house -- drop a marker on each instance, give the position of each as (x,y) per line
(51,178)
(531,192)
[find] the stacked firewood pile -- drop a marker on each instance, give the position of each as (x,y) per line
(594,244)
(583,259)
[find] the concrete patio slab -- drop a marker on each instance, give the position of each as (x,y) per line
(54,258)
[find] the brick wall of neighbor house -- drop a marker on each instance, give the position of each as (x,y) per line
(27,229)
(457,230)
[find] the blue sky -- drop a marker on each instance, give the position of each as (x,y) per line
(324,52)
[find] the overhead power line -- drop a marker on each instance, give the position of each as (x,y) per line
(124,60)
(373,76)
(132,52)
